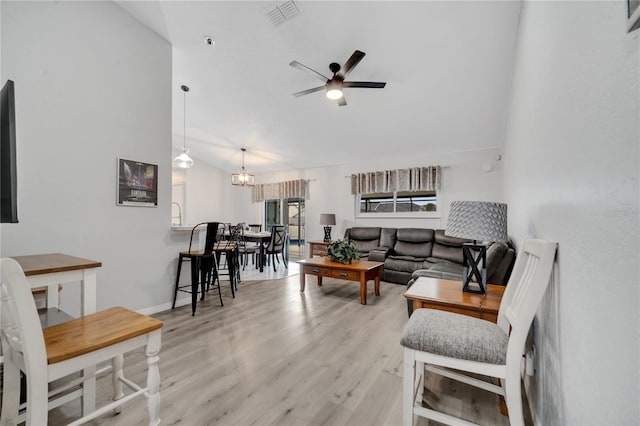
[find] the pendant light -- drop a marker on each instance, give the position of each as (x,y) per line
(243,178)
(183,160)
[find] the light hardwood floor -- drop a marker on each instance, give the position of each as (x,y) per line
(274,356)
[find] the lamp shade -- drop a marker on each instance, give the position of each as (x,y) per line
(477,220)
(327,219)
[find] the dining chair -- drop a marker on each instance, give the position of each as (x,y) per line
(442,342)
(203,265)
(246,248)
(49,354)
(277,245)
(228,247)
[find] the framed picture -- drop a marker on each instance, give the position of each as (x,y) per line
(633,15)
(137,183)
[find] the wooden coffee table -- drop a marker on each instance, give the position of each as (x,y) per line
(447,295)
(361,271)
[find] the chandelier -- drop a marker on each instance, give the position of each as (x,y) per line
(243,178)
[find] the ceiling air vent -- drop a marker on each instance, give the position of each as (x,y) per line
(279,14)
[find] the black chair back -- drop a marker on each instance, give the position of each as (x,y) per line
(278,238)
(211,236)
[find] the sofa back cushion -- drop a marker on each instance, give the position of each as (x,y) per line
(388,237)
(364,238)
(500,258)
(448,248)
(415,242)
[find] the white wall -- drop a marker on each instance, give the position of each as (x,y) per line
(92,85)
(210,197)
(330,188)
(571,175)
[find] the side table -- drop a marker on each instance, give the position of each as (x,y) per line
(447,295)
(318,248)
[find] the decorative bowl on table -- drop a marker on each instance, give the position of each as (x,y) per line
(343,251)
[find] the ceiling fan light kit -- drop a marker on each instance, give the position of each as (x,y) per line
(183,161)
(335,84)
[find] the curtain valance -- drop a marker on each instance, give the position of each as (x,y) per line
(413,179)
(278,190)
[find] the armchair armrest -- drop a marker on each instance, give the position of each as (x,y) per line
(379,254)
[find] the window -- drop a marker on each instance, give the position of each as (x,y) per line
(409,203)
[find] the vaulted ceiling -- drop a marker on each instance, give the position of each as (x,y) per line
(447,64)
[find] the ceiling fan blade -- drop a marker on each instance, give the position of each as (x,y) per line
(367,84)
(341,101)
(305,68)
(306,92)
(353,61)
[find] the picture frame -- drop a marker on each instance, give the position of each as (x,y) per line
(633,15)
(137,183)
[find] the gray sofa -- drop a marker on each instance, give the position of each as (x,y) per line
(411,252)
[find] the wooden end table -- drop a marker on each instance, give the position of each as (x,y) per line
(361,271)
(318,248)
(447,295)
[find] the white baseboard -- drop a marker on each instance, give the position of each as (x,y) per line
(164,307)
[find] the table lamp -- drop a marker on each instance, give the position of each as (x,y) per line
(479,221)
(327,219)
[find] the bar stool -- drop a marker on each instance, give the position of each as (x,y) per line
(203,266)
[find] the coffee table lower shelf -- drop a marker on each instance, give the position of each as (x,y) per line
(361,272)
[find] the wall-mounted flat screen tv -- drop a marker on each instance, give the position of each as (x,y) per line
(8,171)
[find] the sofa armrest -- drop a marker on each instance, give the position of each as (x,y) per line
(379,254)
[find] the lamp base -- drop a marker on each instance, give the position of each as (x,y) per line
(474,274)
(327,234)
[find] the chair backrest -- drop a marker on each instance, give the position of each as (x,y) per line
(255,227)
(278,238)
(19,324)
(527,285)
(210,238)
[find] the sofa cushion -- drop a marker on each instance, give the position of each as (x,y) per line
(421,250)
(414,235)
(495,253)
(388,237)
(405,263)
(456,336)
(450,253)
(498,269)
(364,233)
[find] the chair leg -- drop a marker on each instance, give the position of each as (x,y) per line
(153,377)
(513,396)
(274,257)
(175,294)
(118,389)
(195,273)
(407,387)
(37,399)
(11,393)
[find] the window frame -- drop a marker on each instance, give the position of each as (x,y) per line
(395,214)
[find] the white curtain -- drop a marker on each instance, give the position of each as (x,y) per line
(278,190)
(413,179)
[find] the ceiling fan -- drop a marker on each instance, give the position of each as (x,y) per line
(335,84)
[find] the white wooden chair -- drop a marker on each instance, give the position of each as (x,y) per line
(442,341)
(46,355)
